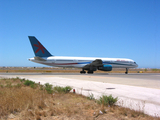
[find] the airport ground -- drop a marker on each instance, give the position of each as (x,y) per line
(136,89)
(72,70)
(24,100)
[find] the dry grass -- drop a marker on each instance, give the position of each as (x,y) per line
(69,70)
(24,103)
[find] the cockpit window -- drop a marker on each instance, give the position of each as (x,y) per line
(135,62)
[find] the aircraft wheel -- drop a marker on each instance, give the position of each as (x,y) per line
(90,72)
(126,71)
(82,72)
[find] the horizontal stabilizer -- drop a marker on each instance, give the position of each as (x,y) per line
(39,58)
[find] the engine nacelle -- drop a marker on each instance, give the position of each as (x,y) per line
(105,68)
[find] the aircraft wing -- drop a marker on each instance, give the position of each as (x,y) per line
(93,66)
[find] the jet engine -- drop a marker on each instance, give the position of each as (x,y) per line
(105,68)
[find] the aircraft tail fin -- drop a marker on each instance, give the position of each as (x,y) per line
(38,48)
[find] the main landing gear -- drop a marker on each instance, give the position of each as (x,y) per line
(89,72)
(82,72)
(126,71)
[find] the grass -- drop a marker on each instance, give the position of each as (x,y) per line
(62,89)
(91,97)
(28,82)
(24,102)
(107,100)
(48,88)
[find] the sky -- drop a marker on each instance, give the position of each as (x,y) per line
(85,28)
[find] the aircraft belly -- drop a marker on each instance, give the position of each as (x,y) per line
(122,66)
(80,65)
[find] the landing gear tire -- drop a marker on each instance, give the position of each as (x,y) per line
(90,72)
(82,72)
(126,71)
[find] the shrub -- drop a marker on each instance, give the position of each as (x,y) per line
(58,89)
(48,88)
(62,89)
(67,89)
(33,85)
(107,100)
(28,82)
(91,97)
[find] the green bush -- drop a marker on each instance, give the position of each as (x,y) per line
(28,82)
(33,86)
(91,97)
(107,100)
(62,89)
(58,89)
(48,88)
(67,89)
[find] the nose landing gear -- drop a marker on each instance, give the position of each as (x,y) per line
(89,71)
(126,71)
(82,72)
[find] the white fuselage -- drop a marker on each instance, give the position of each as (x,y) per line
(79,62)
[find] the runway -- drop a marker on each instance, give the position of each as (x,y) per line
(135,91)
(148,80)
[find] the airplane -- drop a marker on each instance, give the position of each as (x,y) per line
(89,64)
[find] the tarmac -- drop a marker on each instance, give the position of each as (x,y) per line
(138,91)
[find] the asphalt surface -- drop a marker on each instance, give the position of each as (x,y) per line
(148,80)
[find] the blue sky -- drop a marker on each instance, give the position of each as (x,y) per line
(86,28)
